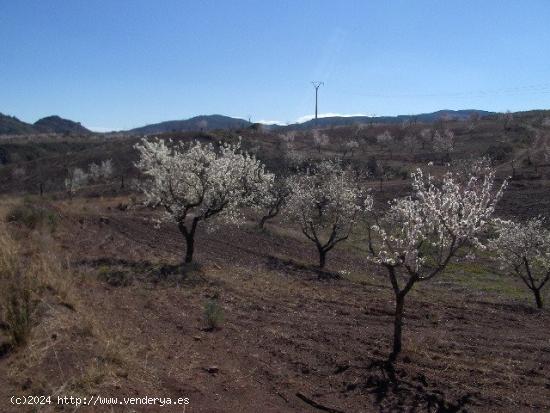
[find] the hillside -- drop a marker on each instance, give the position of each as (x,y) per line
(56,124)
(456,115)
(213,122)
(10,125)
(197,123)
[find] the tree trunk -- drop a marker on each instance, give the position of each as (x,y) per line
(538,298)
(322,258)
(189,235)
(190,246)
(397,326)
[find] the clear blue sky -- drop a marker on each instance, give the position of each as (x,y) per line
(118,64)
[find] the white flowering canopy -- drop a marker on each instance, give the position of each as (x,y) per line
(104,170)
(199,181)
(348,147)
(327,202)
(76,178)
(418,236)
(320,139)
(422,232)
(272,201)
(524,250)
(384,138)
(444,142)
(352,144)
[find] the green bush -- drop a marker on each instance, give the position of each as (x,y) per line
(115,278)
(32,216)
(213,314)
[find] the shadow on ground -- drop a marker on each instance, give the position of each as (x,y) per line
(395,390)
(120,272)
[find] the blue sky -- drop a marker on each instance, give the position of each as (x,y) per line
(121,64)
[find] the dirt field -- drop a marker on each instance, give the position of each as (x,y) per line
(289,341)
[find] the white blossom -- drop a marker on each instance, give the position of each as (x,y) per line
(196,182)
(76,178)
(418,236)
(384,138)
(523,249)
(103,171)
(447,215)
(273,200)
(444,142)
(327,203)
(349,147)
(320,140)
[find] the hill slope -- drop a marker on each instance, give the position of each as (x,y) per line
(10,125)
(203,122)
(57,124)
(211,122)
(423,117)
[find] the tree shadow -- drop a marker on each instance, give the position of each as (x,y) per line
(396,391)
(513,307)
(293,268)
(143,270)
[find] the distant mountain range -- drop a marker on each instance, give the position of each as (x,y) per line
(10,125)
(54,124)
(423,117)
(211,122)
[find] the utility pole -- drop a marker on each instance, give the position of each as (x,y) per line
(316,85)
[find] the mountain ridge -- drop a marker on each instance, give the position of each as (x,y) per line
(209,122)
(11,125)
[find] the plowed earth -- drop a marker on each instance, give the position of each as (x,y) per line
(291,341)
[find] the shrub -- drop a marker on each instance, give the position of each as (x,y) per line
(32,216)
(18,313)
(213,314)
(499,153)
(115,278)
(16,305)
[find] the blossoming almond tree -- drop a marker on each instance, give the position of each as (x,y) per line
(195,182)
(327,204)
(348,148)
(444,143)
(385,138)
(76,178)
(102,171)
(419,235)
(320,140)
(524,250)
(273,199)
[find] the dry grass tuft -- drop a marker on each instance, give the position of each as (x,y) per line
(16,295)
